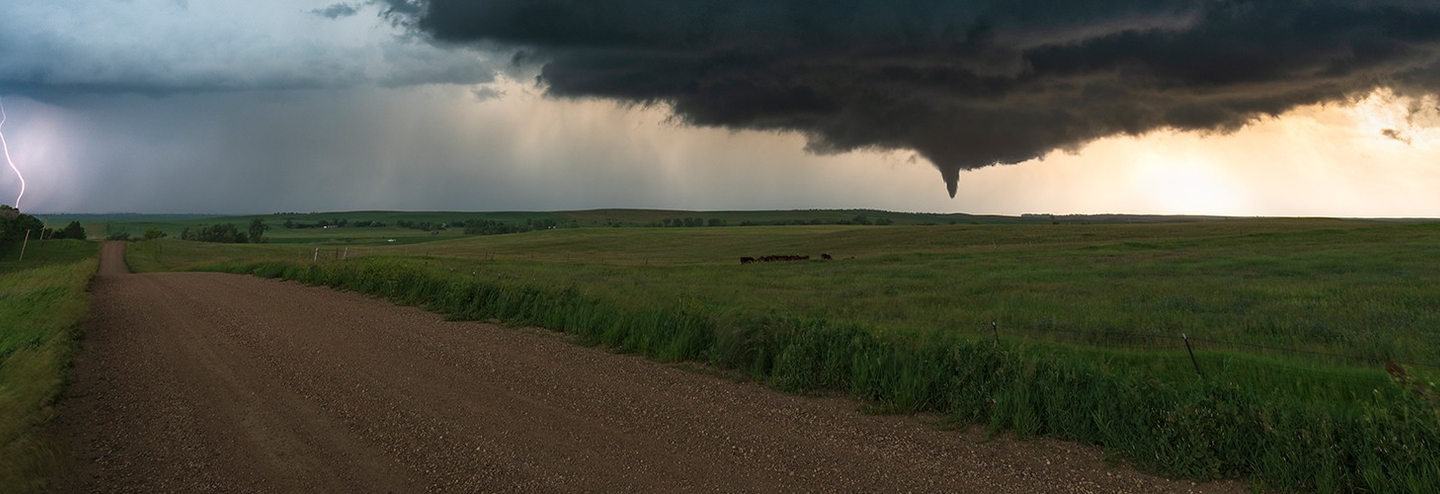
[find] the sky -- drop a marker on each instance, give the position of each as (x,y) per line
(1225,107)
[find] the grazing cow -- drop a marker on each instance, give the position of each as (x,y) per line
(796,257)
(826,257)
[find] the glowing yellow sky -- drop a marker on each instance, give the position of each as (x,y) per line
(1322,160)
(1318,160)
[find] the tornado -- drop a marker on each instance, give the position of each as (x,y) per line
(965,84)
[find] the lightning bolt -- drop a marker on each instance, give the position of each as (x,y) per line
(6,147)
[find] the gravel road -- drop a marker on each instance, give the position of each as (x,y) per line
(190,382)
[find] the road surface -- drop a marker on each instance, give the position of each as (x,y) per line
(191,382)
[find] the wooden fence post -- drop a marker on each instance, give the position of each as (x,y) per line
(1192,355)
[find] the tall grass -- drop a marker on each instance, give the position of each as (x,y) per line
(1361,431)
(40,310)
(46,252)
(1355,288)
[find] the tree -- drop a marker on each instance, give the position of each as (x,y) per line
(153,233)
(72,230)
(222,233)
(257,230)
(7,214)
(13,225)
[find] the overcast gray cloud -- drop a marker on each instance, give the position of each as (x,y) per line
(164,47)
(966,84)
(420,148)
(336,11)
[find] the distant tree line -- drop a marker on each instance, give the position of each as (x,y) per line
(429,226)
(479,226)
(470,226)
(340,223)
(72,230)
(151,233)
(694,222)
(14,224)
(688,222)
(227,233)
(488,227)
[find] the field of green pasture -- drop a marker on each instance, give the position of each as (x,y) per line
(1063,330)
(102,226)
(45,252)
(1366,289)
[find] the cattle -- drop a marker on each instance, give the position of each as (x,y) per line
(775,259)
(826,257)
(747,260)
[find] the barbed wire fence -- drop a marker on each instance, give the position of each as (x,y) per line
(1197,345)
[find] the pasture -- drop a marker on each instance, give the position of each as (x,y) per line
(45,252)
(103,225)
(1323,285)
(1070,330)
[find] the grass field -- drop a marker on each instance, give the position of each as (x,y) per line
(100,226)
(42,302)
(1084,343)
(1320,285)
(46,252)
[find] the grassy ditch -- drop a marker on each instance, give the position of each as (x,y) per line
(1251,417)
(40,311)
(46,252)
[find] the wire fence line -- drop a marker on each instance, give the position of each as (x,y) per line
(1157,341)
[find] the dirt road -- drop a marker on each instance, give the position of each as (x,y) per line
(210,382)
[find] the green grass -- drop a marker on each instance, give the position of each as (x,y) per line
(46,252)
(1325,286)
(906,325)
(40,311)
(100,226)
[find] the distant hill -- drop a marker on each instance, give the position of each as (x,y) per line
(421,226)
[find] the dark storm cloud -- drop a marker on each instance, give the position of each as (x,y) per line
(336,11)
(966,84)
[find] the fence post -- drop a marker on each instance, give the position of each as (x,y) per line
(995,328)
(23,245)
(1192,355)
(317,256)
